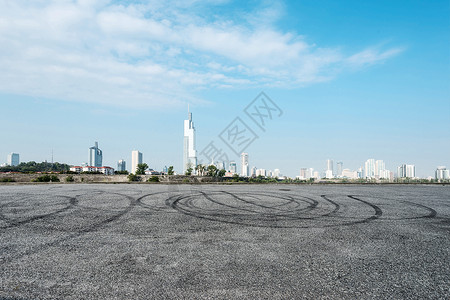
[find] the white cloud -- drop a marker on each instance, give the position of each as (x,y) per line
(154,54)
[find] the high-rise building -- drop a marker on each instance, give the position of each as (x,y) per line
(347,173)
(244,165)
(369,168)
(339,168)
(189,152)
(330,165)
(253,172)
(360,172)
(121,165)
(220,165)
(13,159)
(406,171)
(303,173)
(233,167)
(442,173)
(411,171)
(136,159)
(261,172)
(276,173)
(380,169)
(95,156)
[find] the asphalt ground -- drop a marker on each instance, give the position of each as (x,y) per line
(143,241)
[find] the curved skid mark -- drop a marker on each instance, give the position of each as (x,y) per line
(78,233)
(14,223)
(336,206)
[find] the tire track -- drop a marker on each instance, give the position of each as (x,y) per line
(91,228)
(286,219)
(14,223)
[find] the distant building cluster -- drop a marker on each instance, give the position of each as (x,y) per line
(371,169)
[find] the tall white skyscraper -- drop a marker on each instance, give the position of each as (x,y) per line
(244,165)
(339,168)
(411,171)
(276,173)
(95,156)
(369,168)
(189,152)
(121,165)
(13,159)
(406,171)
(442,173)
(136,158)
(380,169)
(252,172)
(330,165)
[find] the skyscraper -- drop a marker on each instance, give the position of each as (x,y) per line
(136,159)
(244,165)
(369,168)
(233,167)
(189,152)
(303,173)
(339,168)
(13,159)
(121,165)
(330,165)
(406,171)
(95,156)
(410,171)
(380,169)
(442,173)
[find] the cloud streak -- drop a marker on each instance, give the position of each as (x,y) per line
(152,55)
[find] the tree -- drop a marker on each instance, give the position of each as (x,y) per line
(221,173)
(212,171)
(170,170)
(200,169)
(197,168)
(188,171)
(140,170)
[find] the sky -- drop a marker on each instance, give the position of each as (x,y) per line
(353,80)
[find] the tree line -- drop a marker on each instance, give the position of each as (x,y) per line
(34,167)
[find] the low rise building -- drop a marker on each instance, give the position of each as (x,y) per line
(104,170)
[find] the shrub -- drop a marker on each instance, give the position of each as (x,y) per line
(7,180)
(46,178)
(134,177)
(70,178)
(54,178)
(153,179)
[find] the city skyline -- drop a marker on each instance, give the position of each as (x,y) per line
(354,81)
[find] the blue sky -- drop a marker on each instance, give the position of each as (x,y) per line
(355,79)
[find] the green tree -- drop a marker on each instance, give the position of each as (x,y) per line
(221,173)
(170,170)
(121,172)
(200,169)
(140,170)
(188,171)
(212,170)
